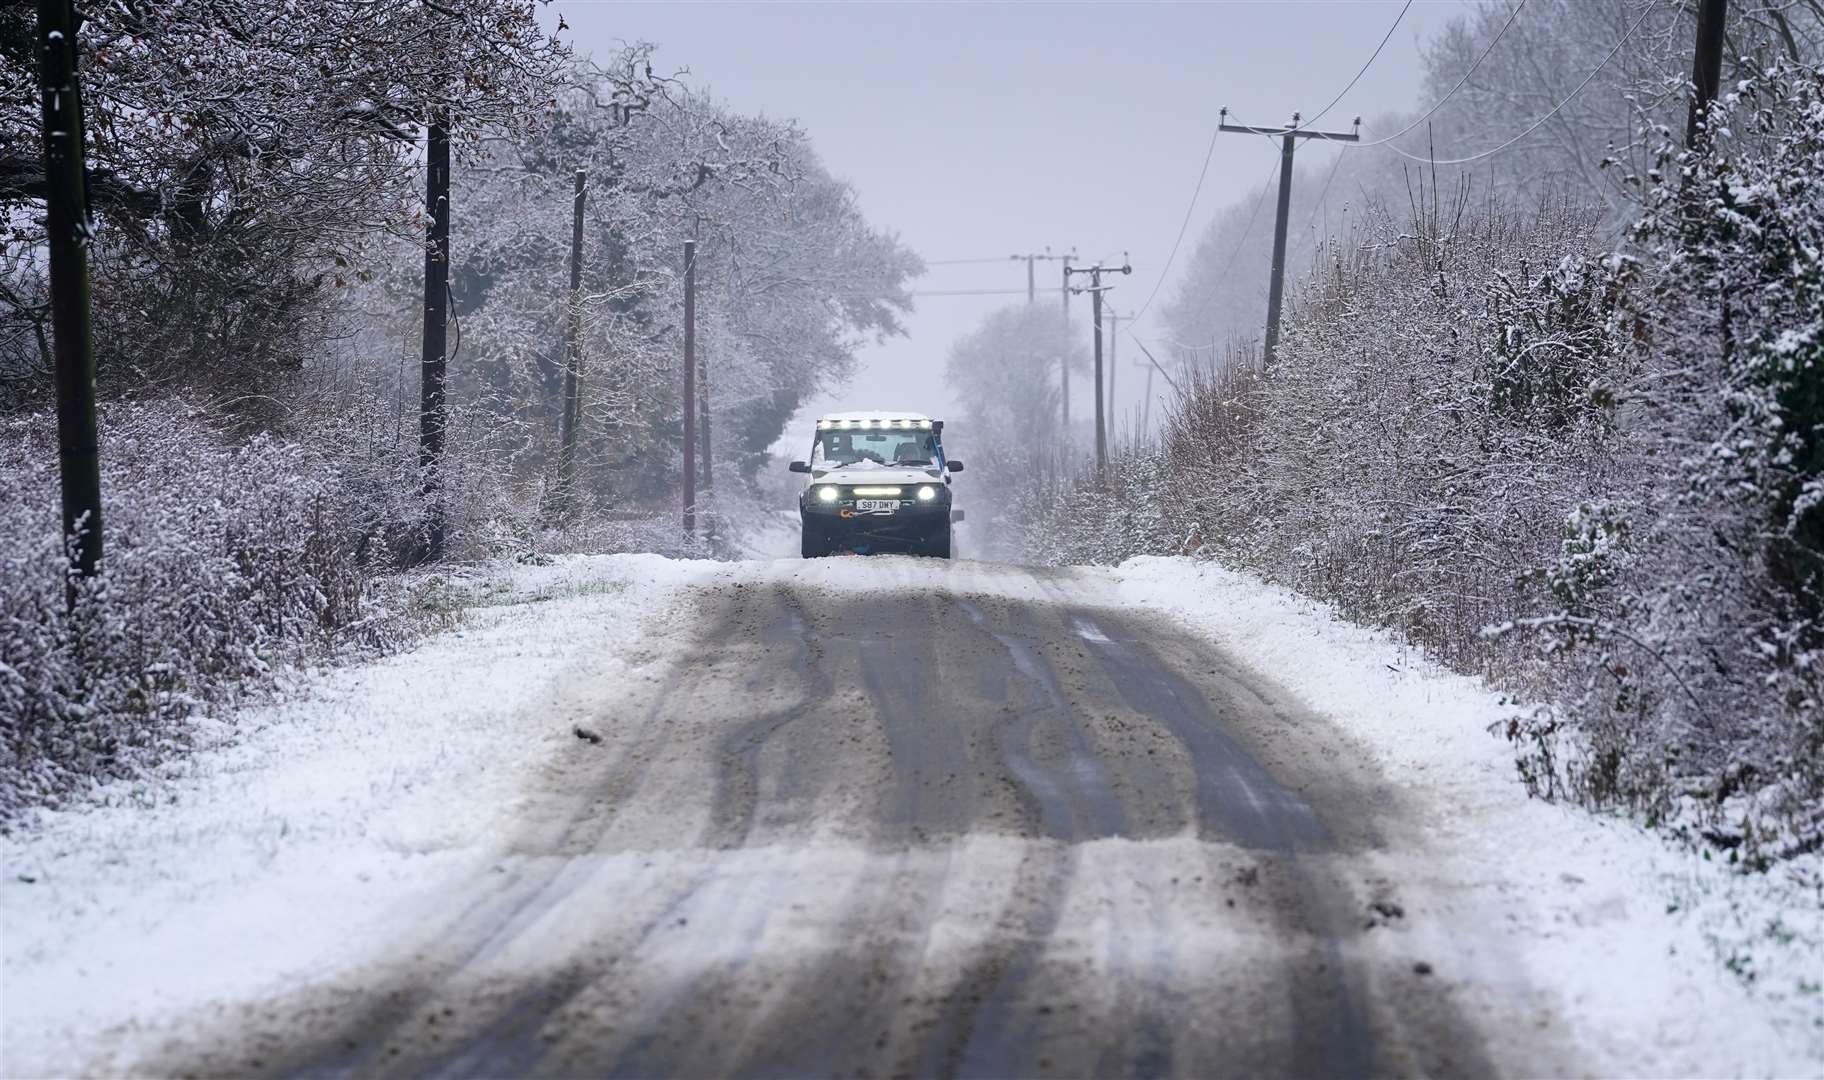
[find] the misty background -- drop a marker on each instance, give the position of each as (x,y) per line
(978,131)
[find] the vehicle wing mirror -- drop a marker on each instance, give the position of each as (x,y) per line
(801,466)
(954,465)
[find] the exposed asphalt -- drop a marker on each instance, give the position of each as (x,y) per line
(925,831)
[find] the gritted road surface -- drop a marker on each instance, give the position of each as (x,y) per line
(926,829)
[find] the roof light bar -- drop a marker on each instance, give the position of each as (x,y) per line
(849,423)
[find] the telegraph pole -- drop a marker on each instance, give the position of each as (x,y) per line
(1095,290)
(1707,68)
(573,370)
(67,229)
(1095,307)
(1288,137)
(705,462)
(1032,295)
(1114,366)
(1032,292)
(432,409)
(1064,357)
(690,387)
(707,465)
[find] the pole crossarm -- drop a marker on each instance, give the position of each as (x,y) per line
(1291,129)
(1099,269)
(1298,133)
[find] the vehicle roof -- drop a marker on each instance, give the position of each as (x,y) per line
(881,414)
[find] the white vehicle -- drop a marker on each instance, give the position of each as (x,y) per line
(879,481)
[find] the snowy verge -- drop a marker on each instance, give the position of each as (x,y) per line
(1660,961)
(320,823)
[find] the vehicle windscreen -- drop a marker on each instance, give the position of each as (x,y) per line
(912,449)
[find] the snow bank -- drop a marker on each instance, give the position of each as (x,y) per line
(308,837)
(1635,940)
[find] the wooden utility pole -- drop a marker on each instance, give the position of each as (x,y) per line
(1095,307)
(690,387)
(573,351)
(1706,68)
(1032,291)
(432,410)
(706,464)
(1064,358)
(1114,365)
(1095,290)
(1032,295)
(1288,137)
(67,231)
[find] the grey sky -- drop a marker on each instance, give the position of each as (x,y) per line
(984,129)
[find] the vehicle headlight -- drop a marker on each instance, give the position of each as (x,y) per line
(826,494)
(927,493)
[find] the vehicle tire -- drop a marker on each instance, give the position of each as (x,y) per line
(812,542)
(939,546)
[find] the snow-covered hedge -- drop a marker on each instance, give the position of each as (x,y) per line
(223,561)
(1596,478)
(1064,517)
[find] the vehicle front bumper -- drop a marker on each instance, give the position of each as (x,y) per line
(911,521)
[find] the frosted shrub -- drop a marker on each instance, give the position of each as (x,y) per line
(1728,465)
(222,563)
(1067,516)
(1443,390)
(1596,478)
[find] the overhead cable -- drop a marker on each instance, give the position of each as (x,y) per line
(1539,122)
(1182,226)
(960,262)
(1358,75)
(1453,90)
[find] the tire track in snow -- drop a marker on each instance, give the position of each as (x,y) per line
(1029,782)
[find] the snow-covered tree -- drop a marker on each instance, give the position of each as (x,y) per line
(790,278)
(245,156)
(1005,373)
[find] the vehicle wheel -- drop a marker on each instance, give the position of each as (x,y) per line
(939,545)
(812,542)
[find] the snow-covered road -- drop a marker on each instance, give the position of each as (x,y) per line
(872,817)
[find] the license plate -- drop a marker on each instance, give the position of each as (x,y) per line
(865,505)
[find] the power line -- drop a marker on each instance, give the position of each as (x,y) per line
(1182,226)
(969,292)
(1358,75)
(1453,90)
(1555,109)
(1203,172)
(1229,264)
(960,262)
